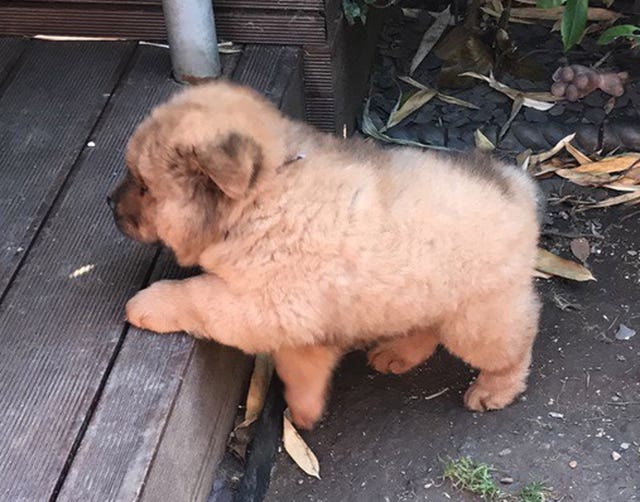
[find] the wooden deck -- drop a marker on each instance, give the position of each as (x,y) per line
(92,409)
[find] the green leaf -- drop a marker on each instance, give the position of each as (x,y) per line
(574,22)
(623,30)
(351,10)
(549,4)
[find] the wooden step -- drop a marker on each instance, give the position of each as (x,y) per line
(337,57)
(92,409)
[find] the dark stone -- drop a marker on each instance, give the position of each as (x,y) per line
(554,132)
(629,134)
(610,140)
(500,116)
(596,99)
(533,115)
(497,97)
(595,115)
(587,138)
(572,119)
(385,80)
(557,110)
(481,115)
(510,143)
(623,101)
(529,136)
(576,106)
(431,134)
(405,131)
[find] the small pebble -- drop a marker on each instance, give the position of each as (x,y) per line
(624,446)
(506,480)
(625,333)
(615,456)
(91,144)
(555,414)
(506,451)
(573,464)
(631,252)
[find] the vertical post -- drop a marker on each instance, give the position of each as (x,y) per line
(192,39)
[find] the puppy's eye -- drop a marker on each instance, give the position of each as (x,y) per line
(143,189)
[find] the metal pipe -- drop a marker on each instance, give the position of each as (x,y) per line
(192,39)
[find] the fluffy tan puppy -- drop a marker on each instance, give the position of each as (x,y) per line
(312,245)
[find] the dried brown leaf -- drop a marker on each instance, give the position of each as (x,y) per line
(482,142)
(577,154)
(416,101)
(297,449)
(627,198)
(581,248)
(260,379)
(538,100)
(440,95)
(430,37)
(546,155)
(369,129)
(555,13)
(585,179)
(515,109)
(610,164)
(550,263)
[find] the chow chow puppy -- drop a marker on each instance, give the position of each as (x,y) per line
(312,245)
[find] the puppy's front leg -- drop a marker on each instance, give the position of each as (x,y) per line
(204,306)
(306,373)
(163,307)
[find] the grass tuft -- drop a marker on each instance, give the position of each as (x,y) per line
(465,474)
(477,478)
(534,492)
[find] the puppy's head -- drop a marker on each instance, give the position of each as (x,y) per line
(206,152)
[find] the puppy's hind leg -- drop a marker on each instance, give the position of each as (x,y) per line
(402,353)
(495,334)
(306,373)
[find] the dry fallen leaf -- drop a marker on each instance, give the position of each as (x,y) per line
(297,449)
(577,154)
(415,102)
(585,179)
(542,101)
(580,248)
(555,13)
(610,164)
(260,379)
(627,198)
(515,109)
(550,263)
(559,146)
(441,96)
(482,142)
(430,37)
(369,128)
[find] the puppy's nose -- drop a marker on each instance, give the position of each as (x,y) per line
(111,203)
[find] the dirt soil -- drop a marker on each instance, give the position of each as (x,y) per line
(577,427)
(384,439)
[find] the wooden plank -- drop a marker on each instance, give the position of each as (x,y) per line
(48,109)
(167,445)
(10,51)
(317,5)
(147,23)
(60,333)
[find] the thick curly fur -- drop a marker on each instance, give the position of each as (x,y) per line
(312,245)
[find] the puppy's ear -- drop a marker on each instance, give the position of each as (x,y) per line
(233,164)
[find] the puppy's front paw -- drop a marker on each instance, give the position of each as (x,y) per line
(153,310)
(483,396)
(306,411)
